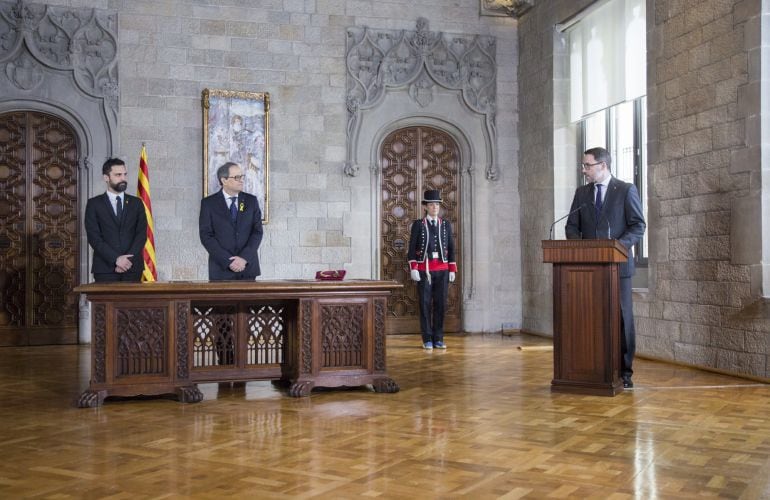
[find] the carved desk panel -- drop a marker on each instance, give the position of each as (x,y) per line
(160,338)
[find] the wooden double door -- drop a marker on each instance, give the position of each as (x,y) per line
(39,230)
(413,160)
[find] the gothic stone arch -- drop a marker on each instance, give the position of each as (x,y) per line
(64,61)
(423,64)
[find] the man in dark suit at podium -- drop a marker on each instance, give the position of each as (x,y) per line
(116,227)
(230,227)
(612,209)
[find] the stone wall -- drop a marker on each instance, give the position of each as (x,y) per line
(705,174)
(542,68)
(170,50)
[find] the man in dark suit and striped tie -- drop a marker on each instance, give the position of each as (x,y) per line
(116,227)
(230,227)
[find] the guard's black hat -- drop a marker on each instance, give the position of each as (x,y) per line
(431,196)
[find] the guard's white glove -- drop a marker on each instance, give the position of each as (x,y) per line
(415,274)
(451,277)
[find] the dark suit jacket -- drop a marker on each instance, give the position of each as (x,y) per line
(621,218)
(418,241)
(223,239)
(110,238)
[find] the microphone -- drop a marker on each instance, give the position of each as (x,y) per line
(578,209)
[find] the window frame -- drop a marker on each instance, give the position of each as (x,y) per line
(641,257)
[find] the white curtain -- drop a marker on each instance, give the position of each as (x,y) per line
(607,57)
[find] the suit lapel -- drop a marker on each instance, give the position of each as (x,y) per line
(239,201)
(221,206)
(612,189)
(128,204)
(238,214)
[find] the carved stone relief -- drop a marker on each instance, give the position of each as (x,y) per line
(512,8)
(381,60)
(37,39)
(24,73)
(422,91)
(63,61)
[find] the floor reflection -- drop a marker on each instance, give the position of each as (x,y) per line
(478,420)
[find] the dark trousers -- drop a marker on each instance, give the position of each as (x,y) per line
(110,277)
(432,297)
(628,331)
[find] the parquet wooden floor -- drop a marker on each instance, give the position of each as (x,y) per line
(476,421)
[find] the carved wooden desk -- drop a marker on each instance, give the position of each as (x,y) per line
(159,338)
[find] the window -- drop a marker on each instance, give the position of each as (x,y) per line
(608,87)
(607,57)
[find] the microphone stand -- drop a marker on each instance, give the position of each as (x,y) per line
(578,209)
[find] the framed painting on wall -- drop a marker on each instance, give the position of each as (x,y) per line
(236,128)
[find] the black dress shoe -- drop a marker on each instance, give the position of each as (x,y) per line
(627,383)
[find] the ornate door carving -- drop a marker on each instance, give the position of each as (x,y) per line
(415,159)
(38,230)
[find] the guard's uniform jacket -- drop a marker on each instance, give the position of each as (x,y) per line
(437,253)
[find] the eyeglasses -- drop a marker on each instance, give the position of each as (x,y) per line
(236,177)
(589,165)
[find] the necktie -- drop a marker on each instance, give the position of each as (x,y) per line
(119,207)
(433,236)
(233,208)
(598,202)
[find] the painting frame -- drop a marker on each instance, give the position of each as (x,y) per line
(236,127)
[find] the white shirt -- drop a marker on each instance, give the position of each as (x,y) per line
(114,201)
(228,200)
(605,184)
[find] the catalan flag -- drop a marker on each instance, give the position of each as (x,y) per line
(150,272)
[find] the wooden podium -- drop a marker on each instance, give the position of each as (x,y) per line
(586,315)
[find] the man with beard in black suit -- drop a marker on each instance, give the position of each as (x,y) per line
(116,227)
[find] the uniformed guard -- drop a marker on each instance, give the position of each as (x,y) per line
(432,264)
